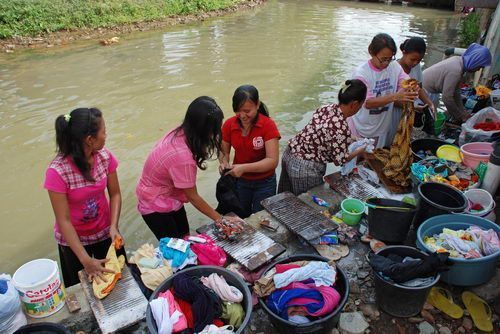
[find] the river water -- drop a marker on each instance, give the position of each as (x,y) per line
(297,53)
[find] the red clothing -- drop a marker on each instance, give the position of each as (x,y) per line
(250,148)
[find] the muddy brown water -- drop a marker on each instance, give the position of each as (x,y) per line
(297,53)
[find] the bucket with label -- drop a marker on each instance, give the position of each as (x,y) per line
(40,287)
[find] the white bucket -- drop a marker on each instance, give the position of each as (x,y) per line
(482,197)
(40,287)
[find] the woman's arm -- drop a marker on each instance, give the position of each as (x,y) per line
(200,204)
(400,96)
(224,156)
(115,205)
(270,162)
(93,267)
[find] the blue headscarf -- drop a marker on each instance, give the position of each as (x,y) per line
(476,56)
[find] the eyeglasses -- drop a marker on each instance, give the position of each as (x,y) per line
(386,60)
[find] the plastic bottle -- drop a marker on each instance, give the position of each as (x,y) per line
(492,176)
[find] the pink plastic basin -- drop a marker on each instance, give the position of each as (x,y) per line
(474,153)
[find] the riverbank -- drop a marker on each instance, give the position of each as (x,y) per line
(107,27)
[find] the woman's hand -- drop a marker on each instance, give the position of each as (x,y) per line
(237,170)
(114,234)
(95,269)
(405,96)
(223,167)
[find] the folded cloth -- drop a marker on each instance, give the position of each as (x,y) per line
(225,291)
(264,286)
(394,268)
(185,309)
(173,306)
(151,278)
(213,329)
(299,319)
(205,303)
(164,321)
(208,253)
(104,287)
(316,300)
(178,256)
(321,272)
(233,313)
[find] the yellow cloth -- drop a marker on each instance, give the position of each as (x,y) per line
(102,289)
(151,278)
(398,159)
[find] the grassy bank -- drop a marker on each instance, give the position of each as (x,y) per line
(35,17)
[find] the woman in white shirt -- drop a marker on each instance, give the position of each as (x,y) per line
(383,77)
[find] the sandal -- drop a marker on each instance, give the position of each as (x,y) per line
(479,311)
(442,299)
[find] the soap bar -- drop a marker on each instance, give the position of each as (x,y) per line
(149,262)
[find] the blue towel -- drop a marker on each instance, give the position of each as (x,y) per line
(280,300)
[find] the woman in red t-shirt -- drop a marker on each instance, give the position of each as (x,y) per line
(255,140)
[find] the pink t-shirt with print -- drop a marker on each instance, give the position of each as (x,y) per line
(87,201)
(169,169)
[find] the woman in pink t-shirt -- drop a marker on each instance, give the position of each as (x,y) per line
(168,178)
(86,223)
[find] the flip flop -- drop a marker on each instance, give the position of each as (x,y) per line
(479,311)
(442,300)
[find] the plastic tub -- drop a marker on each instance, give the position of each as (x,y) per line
(319,326)
(198,271)
(449,152)
(396,299)
(474,153)
(43,328)
(437,199)
(479,196)
(40,287)
(389,225)
(463,272)
(352,210)
(425,144)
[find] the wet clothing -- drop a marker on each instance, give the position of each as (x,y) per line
(88,205)
(374,123)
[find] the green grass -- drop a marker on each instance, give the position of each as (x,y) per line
(469,30)
(34,17)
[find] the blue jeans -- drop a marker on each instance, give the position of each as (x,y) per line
(252,192)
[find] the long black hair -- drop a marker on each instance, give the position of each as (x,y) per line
(202,128)
(71,131)
(380,42)
(248,92)
(414,44)
(353,90)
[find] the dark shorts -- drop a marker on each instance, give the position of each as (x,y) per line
(168,224)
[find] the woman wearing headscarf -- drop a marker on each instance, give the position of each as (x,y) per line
(446,76)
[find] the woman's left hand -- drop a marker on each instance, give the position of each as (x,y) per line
(237,170)
(114,233)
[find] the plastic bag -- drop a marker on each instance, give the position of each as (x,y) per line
(469,134)
(11,313)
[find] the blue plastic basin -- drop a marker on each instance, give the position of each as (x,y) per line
(463,272)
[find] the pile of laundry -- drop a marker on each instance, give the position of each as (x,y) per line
(409,271)
(444,171)
(198,305)
(172,254)
(300,291)
(471,243)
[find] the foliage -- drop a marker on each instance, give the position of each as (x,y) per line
(469,31)
(34,17)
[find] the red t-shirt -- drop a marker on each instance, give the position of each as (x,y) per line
(250,148)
